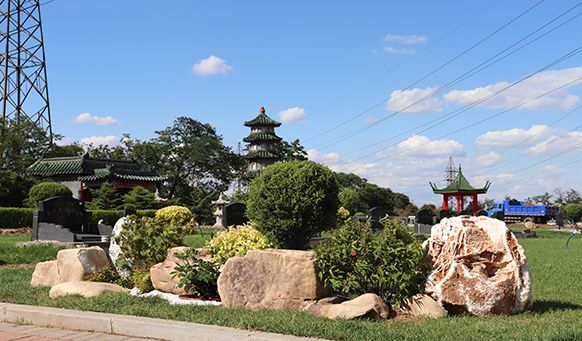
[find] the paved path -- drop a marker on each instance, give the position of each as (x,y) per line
(32,323)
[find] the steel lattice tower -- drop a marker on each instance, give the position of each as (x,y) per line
(450,171)
(23,86)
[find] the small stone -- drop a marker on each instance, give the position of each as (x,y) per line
(86,289)
(424,305)
(370,305)
(45,274)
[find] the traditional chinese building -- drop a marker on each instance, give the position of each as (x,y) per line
(460,188)
(82,173)
(262,143)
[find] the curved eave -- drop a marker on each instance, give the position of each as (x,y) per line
(261,154)
(451,189)
(262,120)
(254,137)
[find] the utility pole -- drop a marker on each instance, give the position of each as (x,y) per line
(23,86)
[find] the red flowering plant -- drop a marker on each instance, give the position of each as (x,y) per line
(356,261)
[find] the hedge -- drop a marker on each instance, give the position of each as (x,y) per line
(15,218)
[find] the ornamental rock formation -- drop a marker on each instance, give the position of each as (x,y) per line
(478,267)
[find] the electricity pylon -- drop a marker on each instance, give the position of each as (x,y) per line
(23,86)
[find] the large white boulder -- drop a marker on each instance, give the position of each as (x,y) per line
(115,249)
(478,267)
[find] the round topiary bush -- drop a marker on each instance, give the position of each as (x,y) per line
(47,190)
(291,201)
(572,212)
(180,214)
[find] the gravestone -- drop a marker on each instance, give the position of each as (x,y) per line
(234,214)
(560,220)
(424,219)
(465,212)
(443,214)
(129,211)
(64,219)
(499,215)
(375,214)
(481,213)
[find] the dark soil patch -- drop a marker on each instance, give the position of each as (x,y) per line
(24,230)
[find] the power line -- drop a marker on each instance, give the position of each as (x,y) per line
(428,75)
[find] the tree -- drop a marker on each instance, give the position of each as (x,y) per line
(350,199)
(199,201)
(104,198)
(191,154)
(13,189)
(139,198)
(483,204)
(73,149)
(372,195)
(542,199)
(291,151)
(291,201)
(21,144)
(407,211)
(429,207)
(572,212)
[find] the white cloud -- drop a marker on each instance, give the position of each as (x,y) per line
(489,159)
(526,90)
(292,115)
(389,49)
(370,119)
(423,147)
(110,140)
(558,144)
(64,142)
(508,138)
(401,100)
(101,121)
(211,66)
(413,39)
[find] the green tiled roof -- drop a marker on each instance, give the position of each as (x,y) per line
(262,120)
(261,154)
(261,137)
(460,185)
(91,169)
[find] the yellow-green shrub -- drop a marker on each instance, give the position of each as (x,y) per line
(180,214)
(237,240)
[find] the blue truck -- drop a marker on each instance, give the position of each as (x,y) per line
(516,211)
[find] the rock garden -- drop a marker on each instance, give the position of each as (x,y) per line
(470,279)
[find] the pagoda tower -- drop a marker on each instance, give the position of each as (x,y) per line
(262,141)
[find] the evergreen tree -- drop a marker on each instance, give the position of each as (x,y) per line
(104,198)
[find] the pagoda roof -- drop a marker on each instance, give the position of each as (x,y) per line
(262,137)
(261,154)
(262,120)
(92,169)
(460,185)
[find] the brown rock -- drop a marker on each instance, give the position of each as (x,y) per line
(272,279)
(86,289)
(478,267)
(424,305)
(161,276)
(77,264)
(45,274)
(370,305)
(71,265)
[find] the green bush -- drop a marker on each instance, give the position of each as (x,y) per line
(291,201)
(140,278)
(146,241)
(197,275)
(237,240)
(572,212)
(47,190)
(107,275)
(180,214)
(356,261)
(15,217)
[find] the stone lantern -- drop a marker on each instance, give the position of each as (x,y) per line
(220,203)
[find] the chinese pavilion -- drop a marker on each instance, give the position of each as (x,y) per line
(460,188)
(82,173)
(262,143)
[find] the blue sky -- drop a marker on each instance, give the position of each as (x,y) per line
(383,89)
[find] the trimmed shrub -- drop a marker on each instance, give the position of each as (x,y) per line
(237,240)
(356,261)
(291,201)
(47,190)
(180,214)
(572,212)
(15,217)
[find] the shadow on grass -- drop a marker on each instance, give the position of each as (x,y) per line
(549,306)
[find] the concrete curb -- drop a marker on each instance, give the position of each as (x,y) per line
(131,326)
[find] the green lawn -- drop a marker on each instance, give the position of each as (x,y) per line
(556,315)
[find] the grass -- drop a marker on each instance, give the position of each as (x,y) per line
(556,315)
(198,240)
(11,254)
